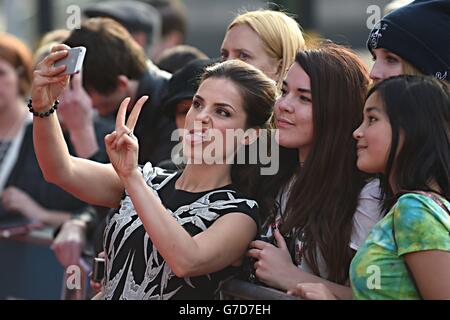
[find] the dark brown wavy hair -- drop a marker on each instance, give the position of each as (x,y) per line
(325,191)
(258,94)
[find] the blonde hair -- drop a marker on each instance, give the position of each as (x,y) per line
(55,36)
(47,42)
(409,69)
(280,33)
(395,4)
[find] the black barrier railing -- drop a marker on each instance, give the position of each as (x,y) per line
(232,289)
(235,289)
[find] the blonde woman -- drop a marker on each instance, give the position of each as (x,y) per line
(265,39)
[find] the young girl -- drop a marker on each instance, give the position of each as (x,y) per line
(324,207)
(406,136)
(175,235)
(399,45)
(265,39)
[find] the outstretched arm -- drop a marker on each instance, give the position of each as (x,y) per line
(92,182)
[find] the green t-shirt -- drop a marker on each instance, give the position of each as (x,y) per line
(415,223)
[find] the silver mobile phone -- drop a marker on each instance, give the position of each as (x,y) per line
(98,272)
(73,61)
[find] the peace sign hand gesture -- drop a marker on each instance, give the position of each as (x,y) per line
(121,145)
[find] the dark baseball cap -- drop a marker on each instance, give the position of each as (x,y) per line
(184,83)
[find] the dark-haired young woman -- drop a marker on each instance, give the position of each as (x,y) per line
(327,206)
(406,136)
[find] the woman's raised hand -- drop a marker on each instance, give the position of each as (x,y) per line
(48,81)
(121,145)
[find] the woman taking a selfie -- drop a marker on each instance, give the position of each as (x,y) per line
(174,235)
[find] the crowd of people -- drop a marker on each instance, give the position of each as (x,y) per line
(358,209)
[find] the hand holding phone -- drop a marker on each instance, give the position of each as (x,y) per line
(47,84)
(98,272)
(73,61)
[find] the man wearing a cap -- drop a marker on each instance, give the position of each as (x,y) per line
(182,88)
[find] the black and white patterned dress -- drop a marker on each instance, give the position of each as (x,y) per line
(135,270)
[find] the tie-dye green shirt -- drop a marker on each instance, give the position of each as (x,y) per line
(415,223)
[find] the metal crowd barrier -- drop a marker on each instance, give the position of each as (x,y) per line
(235,289)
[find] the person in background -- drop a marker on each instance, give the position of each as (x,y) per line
(174,25)
(46,42)
(22,187)
(124,70)
(399,45)
(141,19)
(182,88)
(175,58)
(268,40)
